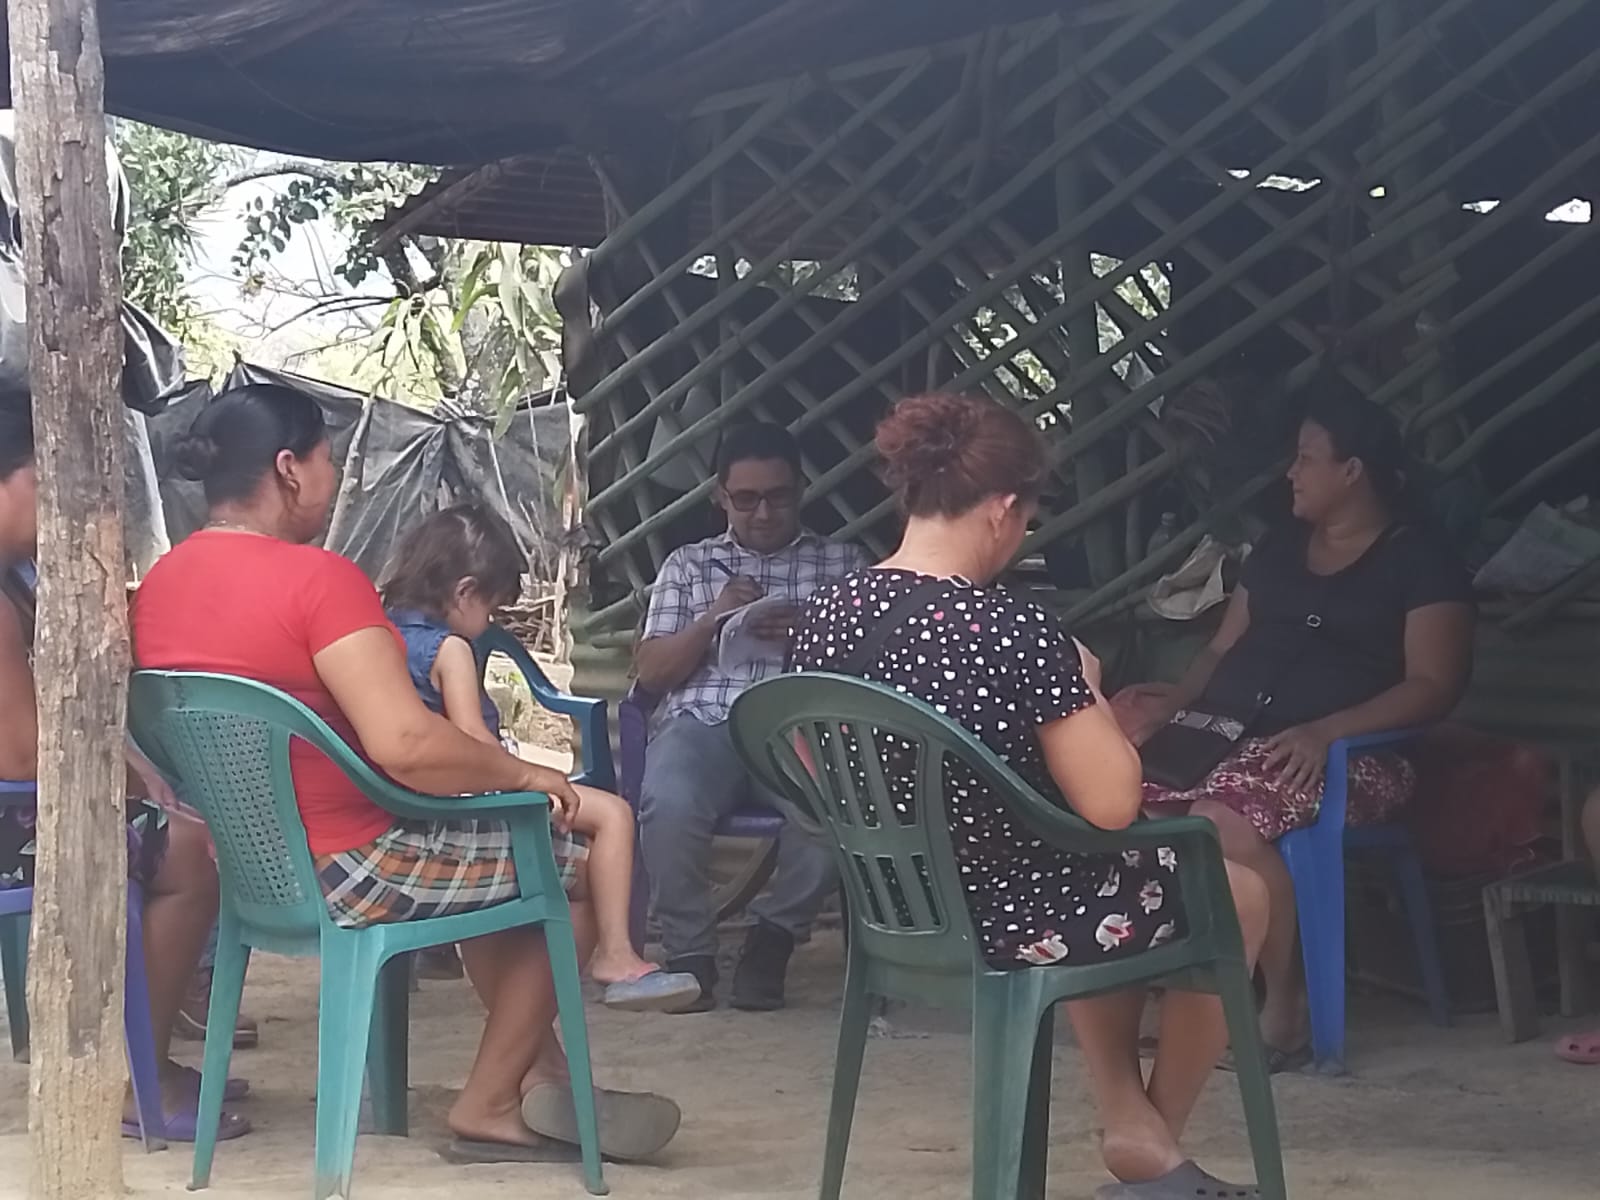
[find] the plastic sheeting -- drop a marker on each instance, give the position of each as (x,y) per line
(414,463)
(152,360)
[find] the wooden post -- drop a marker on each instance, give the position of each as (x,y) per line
(75,975)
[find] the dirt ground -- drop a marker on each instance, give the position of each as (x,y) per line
(1429,1114)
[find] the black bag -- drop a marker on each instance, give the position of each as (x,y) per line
(1188,748)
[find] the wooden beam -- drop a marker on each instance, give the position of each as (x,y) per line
(75,976)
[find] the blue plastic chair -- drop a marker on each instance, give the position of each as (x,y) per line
(16,907)
(598,769)
(227,741)
(1315,857)
(749,821)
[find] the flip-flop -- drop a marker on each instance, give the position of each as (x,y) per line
(1279,1062)
(1583,1049)
(181,1126)
(633,1125)
(654,991)
(1184,1182)
(232,1091)
(465,1152)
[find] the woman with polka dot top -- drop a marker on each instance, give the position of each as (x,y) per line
(967,473)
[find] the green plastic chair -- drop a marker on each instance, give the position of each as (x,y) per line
(227,741)
(911,937)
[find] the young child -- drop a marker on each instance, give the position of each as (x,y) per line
(442,586)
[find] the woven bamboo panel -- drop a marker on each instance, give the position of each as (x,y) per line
(1152,227)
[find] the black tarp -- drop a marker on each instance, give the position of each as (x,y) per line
(415,463)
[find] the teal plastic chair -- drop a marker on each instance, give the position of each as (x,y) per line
(227,741)
(911,937)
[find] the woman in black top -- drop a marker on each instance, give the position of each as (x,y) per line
(1392,651)
(967,473)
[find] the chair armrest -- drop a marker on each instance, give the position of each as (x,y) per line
(404,803)
(1363,742)
(591,714)
(1067,831)
(18,793)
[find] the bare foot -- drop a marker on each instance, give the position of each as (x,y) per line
(619,966)
(1137,1146)
(1286,1027)
(474,1123)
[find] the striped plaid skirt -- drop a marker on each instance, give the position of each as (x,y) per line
(422,869)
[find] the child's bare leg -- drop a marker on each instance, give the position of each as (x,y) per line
(607,823)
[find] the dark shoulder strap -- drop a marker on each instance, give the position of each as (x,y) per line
(868,648)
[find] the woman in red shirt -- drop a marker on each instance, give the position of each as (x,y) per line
(249,595)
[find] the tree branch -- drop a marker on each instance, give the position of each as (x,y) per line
(283,166)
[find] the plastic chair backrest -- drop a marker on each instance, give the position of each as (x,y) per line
(874,765)
(227,741)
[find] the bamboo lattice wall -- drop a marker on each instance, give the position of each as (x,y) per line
(1146,225)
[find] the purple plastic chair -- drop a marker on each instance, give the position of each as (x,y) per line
(750,821)
(16,906)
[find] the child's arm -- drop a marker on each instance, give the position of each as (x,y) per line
(455,674)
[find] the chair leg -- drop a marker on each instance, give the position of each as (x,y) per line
(1317,866)
(1513,974)
(855,1018)
(1572,958)
(1006,1015)
(348,994)
(388,1051)
(563,953)
(144,1071)
(1255,1085)
(1419,912)
(639,901)
(227,982)
(14,966)
(1036,1132)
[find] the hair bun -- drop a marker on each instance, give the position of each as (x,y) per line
(195,456)
(924,437)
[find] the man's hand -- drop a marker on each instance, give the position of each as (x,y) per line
(740,590)
(775,625)
(564,800)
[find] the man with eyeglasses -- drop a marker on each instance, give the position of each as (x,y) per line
(693,775)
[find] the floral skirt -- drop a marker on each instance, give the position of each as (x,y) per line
(147,844)
(1380,784)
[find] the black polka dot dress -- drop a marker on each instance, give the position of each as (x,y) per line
(1001,667)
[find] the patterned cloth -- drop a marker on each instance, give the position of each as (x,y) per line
(693,577)
(422,869)
(1000,667)
(147,844)
(1379,784)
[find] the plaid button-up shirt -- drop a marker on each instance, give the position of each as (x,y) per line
(689,584)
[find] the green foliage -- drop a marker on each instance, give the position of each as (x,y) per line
(468,320)
(172,181)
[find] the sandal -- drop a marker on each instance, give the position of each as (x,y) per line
(181,1126)
(654,991)
(632,1125)
(466,1152)
(1279,1062)
(234,1089)
(1582,1049)
(1184,1182)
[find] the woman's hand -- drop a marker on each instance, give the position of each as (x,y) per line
(564,800)
(1143,708)
(1089,665)
(1301,755)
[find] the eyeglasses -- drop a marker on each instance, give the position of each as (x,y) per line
(778,499)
